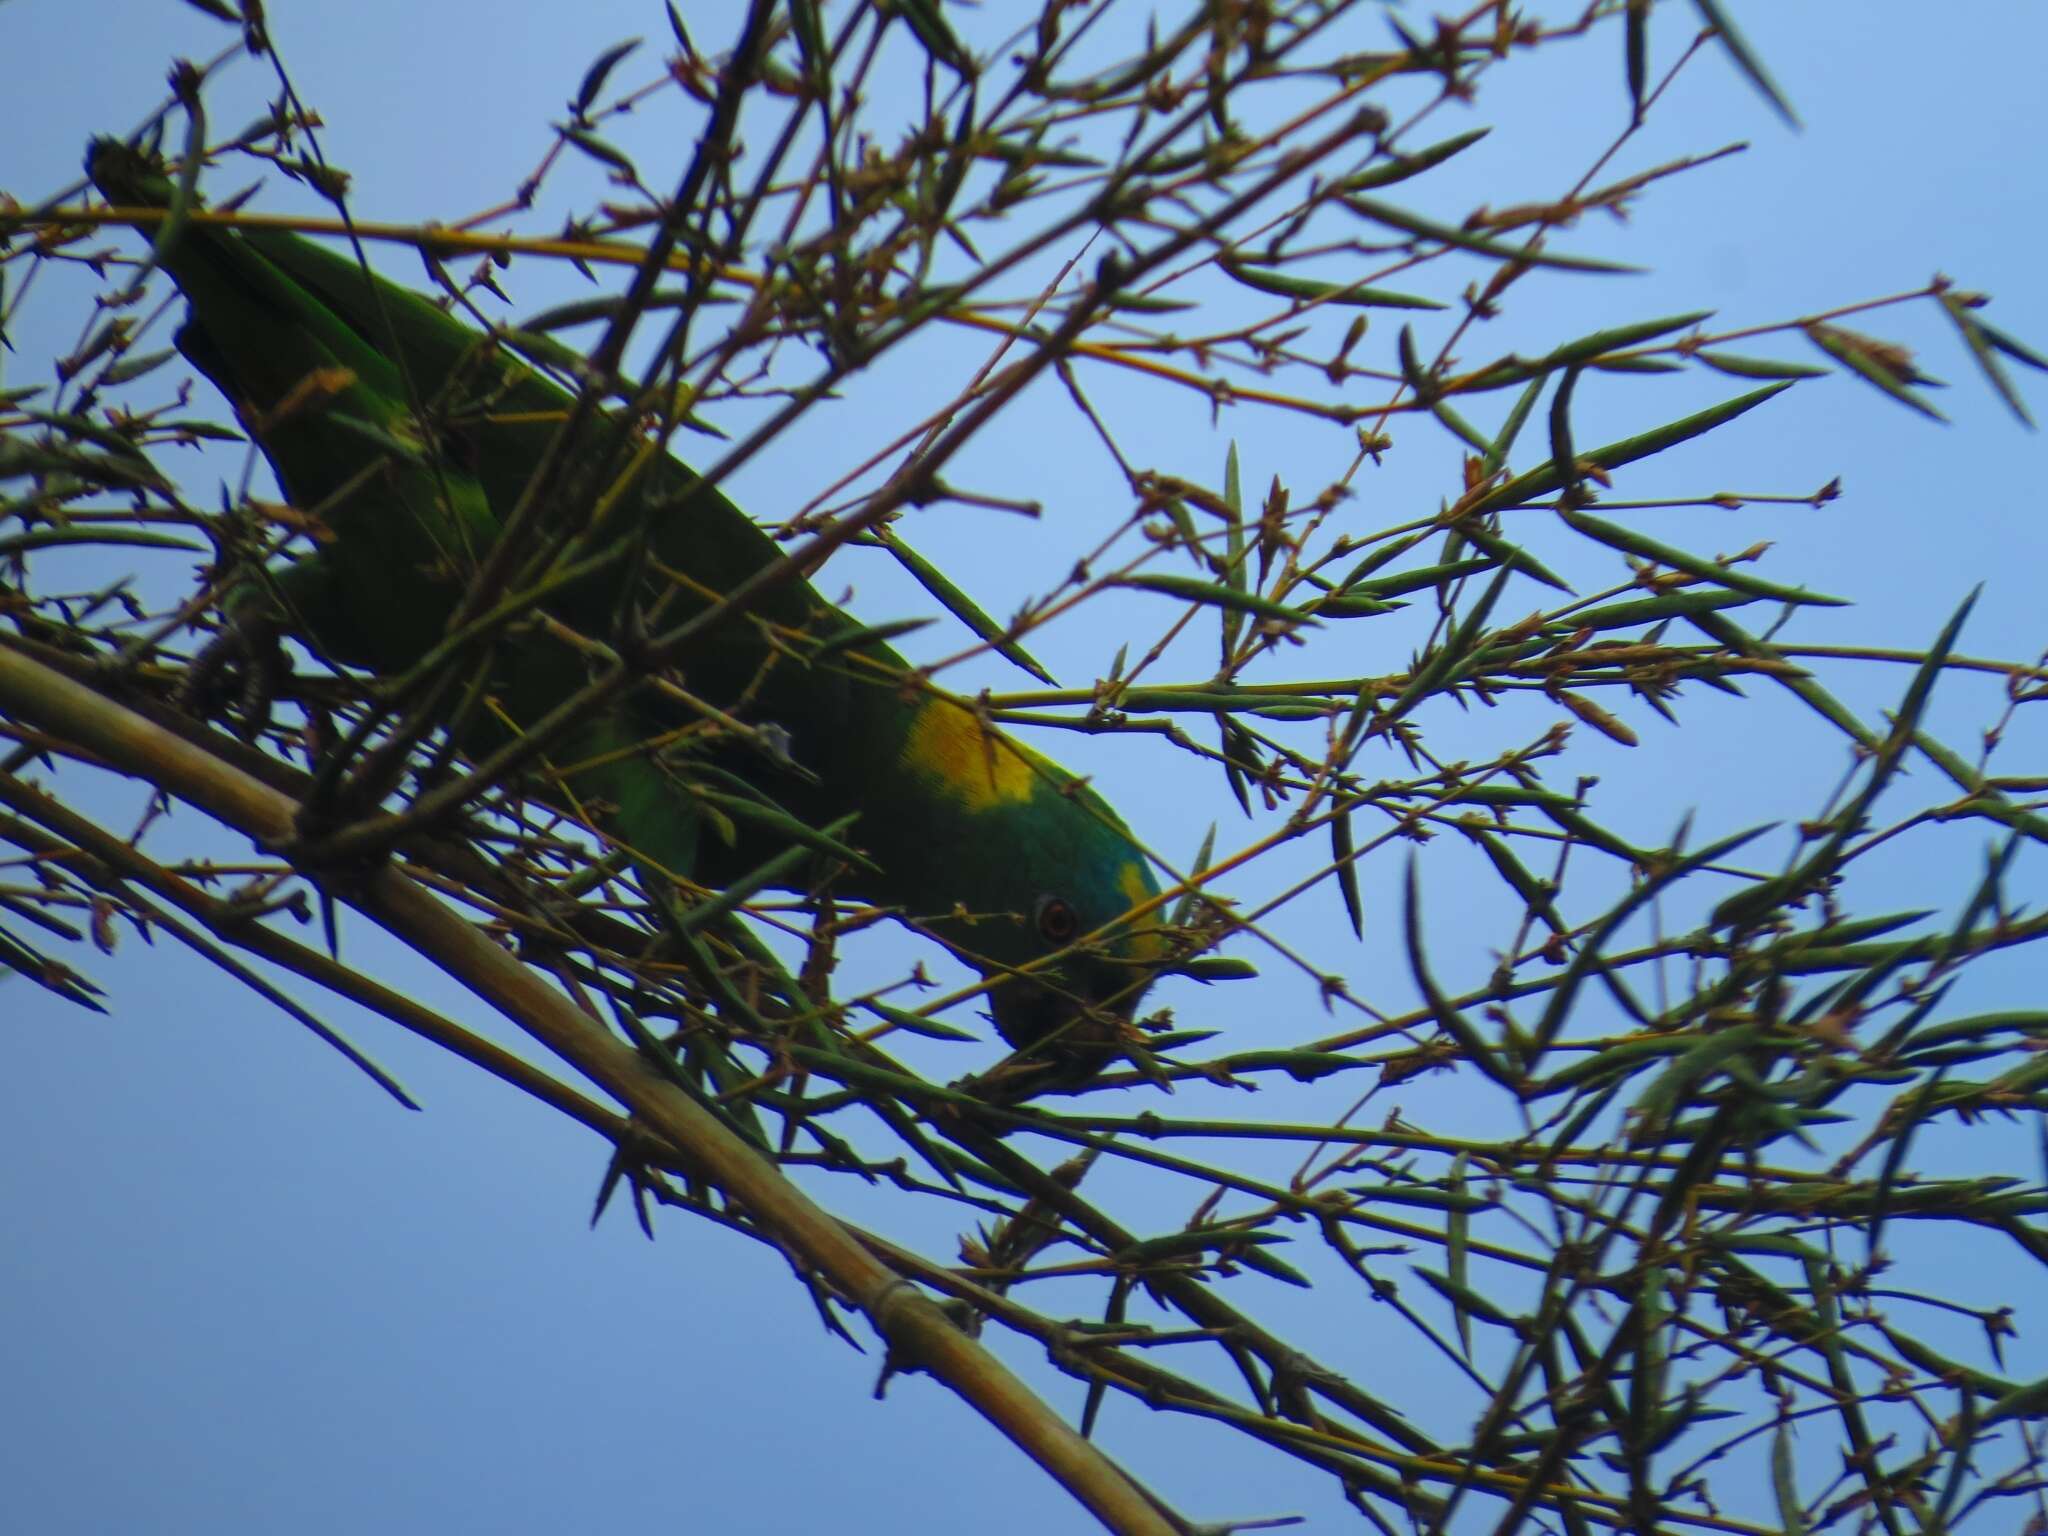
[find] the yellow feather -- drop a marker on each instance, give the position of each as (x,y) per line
(973,764)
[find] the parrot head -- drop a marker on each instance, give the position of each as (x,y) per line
(1053,900)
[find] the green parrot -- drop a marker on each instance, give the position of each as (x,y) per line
(410,436)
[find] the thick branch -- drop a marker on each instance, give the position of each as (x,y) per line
(917,1330)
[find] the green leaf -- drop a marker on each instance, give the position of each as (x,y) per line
(1503,443)
(1343,854)
(1511,557)
(1189,589)
(602,152)
(1752,905)
(1427,576)
(812,44)
(1400,167)
(863,635)
(1759,367)
(591,311)
(1479,245)
(1672,1087)
(1745,58)
(1585,350)
(1208,968)
(1614,536)
(1457,1246)
(129,368)
(1147,304)
(594,77)
(1542,481)
(139,538)
(1620,337)
(1348,605)
(1985,354)
(961,606)
(25,959)
(1635,365)
(1266,280)
(2013,349)
(1465,1301)
(1791,1514)
(1535,893)
(1233,552)
(916,1023)
(937,38)
(769,872)
(1636,50)
(2027,1402)
(1860,356)
(1653,610)
(1442,1010)
(779,822)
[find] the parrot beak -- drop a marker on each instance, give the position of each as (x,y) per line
(1072,1022)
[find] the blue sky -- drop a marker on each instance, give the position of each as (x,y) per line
(246,1292)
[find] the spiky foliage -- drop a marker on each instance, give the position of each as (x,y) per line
(1710,1071)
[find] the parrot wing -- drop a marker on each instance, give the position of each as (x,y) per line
(412,436)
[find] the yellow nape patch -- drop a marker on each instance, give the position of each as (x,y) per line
(978,767)
(1146,941)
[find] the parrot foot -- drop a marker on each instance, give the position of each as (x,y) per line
(1026,1077)
(238,674)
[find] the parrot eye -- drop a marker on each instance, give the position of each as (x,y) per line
(1056,920)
